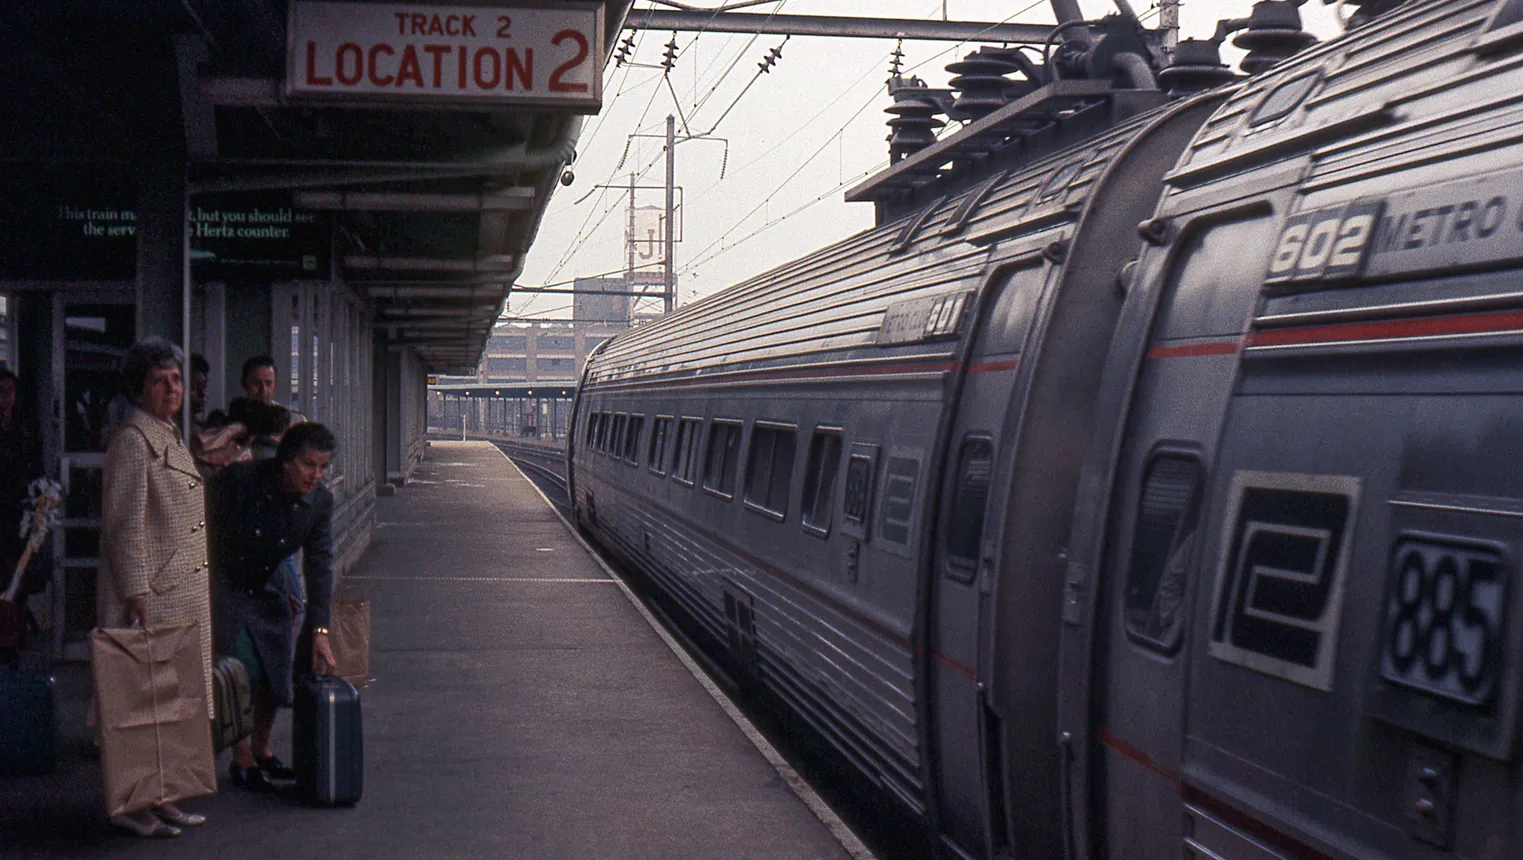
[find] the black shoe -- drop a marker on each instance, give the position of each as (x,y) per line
(274,768)
(251,778)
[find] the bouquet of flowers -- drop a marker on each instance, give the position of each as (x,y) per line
(44,499)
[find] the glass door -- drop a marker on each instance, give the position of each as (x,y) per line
(91,336)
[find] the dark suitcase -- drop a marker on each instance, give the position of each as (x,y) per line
(28,724)
(234,719)
(327,741)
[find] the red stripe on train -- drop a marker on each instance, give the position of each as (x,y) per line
(1128,751)
(1190,350)
(1494,322)
(862,369)
(994,366)
(1212,805)
(953,665)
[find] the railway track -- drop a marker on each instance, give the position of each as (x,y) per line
(543,465)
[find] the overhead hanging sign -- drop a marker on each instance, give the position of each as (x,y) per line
(258,235)
(63,232)
(68,233)
(417,54)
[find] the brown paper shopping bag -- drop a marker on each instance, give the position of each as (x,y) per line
(155,732)
(350,640)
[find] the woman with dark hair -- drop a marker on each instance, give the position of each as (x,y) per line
(261,513)
(153,567)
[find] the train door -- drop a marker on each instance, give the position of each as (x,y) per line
(969,797)
(1154,535)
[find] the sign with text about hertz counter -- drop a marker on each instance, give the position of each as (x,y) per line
(475,55)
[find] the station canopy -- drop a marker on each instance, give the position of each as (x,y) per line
(409,150)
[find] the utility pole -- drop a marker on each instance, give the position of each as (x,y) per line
(629,272)
(671,206)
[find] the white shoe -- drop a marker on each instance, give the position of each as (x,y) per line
(180,819)
(157,829)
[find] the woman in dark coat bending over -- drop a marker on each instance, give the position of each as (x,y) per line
(259,514)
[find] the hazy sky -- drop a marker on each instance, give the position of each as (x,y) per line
(798,137)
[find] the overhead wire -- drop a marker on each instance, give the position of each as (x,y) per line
(868,72)
(768,199)
(749,42)
(747,88)
(797,131)
(561,260)
(628,69)
(677,102)
(739,55)
(583,239)
(704,255)
(574,244)
(700,260)
(583,234)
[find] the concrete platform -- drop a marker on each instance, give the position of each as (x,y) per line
(522,708)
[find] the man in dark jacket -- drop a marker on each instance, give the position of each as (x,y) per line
(259,514)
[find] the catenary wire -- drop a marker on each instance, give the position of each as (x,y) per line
(704,255)
(700,256)
(580,239)
(582,234)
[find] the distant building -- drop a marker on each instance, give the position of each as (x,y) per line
(543,353)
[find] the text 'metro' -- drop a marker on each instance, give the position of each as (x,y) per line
(415,54)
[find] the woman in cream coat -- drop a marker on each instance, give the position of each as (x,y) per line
(153,532)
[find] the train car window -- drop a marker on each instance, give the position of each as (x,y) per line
(1058,182)
(1158,570)
(861,469)
(601,441)
(721,458)
(1281,101)
(965,521)
(632,439)
(900,477)
(656,456)
(590,435)
(769,469)
(685,459)
(616,435)
(820,480)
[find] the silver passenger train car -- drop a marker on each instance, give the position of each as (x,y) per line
(1089,539)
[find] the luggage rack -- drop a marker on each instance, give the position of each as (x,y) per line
(1038,110)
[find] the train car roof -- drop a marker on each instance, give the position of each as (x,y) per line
(1383,135)
(1369,103)
(837,297)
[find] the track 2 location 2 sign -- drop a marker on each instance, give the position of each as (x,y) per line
(417,54)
